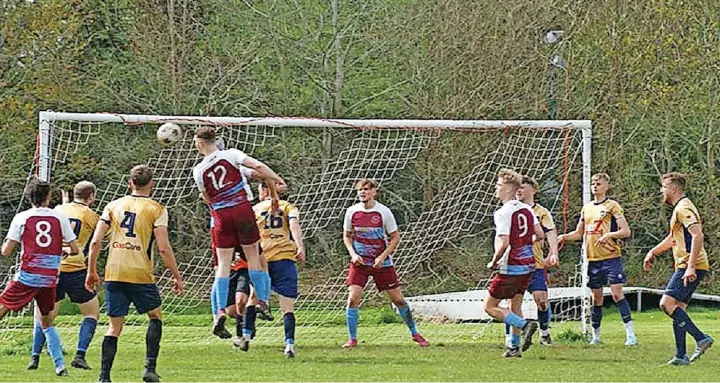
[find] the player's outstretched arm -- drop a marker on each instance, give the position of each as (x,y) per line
(298,238)
(7,247)
(93,278)
(168,256)
(663,246)
(574,235)
(263,171)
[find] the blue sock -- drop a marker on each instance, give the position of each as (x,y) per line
(407,317)
(289,322)
(87,331)
(213,299)
(249,321)
(514,320)
(515,340)
(624,308)
(257,278)
(222,287)
(680,343)
(544,318)
(596,316)
(351,315)
(54,346)
(268,285)
(38,339)
(686,323)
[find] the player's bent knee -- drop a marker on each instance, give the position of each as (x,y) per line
(155,313)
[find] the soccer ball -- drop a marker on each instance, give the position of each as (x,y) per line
(168,134)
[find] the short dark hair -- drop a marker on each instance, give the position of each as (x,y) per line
(675,178)
(38,192)
(141,175)
(530,181)
(83,190)
(206,133)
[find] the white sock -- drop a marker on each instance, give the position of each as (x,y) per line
(508,340)
(544,332)
(596,333)
(629,329)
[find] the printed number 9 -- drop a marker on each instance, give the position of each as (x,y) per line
(522,224)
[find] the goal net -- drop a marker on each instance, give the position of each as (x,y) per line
(438,178)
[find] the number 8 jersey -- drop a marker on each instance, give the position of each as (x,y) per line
(41,233)
(516,220)
(132,220)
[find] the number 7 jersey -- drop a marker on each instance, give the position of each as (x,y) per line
(132,220)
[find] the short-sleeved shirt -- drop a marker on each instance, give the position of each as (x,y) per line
(370,228)
(684,216)
(601,218)
(546,222)
(220,175)
(41,233)
(516,220)
(276,239)
(83,221)
(132,220)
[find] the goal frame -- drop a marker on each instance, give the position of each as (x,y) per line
(46,118)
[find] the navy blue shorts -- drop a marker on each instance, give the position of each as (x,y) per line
(118,296)
(283,277)
(677,290)
(539,281)
(239,283)
(73,284)
(607,271)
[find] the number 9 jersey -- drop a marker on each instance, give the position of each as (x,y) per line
(132,220)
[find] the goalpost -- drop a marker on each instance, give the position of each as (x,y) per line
(437,176)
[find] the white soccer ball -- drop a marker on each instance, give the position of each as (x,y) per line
(168,134)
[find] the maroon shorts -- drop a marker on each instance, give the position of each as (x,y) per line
(234,226)
(17,295)
(507,286)
(385,277)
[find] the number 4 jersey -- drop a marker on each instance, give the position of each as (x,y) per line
(516,220)
(132,220)
(41,233)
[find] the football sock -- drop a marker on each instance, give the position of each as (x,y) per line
(152,343)
(351,315)
(257,278)
(680,342)
(38,338)
(544,319)
(514,320)
(289,322)
(249,321)
(54,346)
(239,325)
(407,317)
(213,300)
(515,340)
(223,284)
(508,333)
(87,332)
(596,319)
(109,349)
(686,323)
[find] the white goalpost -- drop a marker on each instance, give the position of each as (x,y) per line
(437,176)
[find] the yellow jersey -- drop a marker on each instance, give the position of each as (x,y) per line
(275,237)
(132,220)
(83,221)
(546,221)
(685,215)
(600,218)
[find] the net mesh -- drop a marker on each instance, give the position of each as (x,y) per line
(438,182)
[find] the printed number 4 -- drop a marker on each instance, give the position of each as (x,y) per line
(128,223)
(219,181)
(522,225)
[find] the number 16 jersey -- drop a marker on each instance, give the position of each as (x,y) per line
(132,220)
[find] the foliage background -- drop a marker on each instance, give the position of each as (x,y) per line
(645,72)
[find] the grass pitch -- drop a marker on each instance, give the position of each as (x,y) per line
(375,360)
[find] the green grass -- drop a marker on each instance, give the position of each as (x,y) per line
(378,359)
